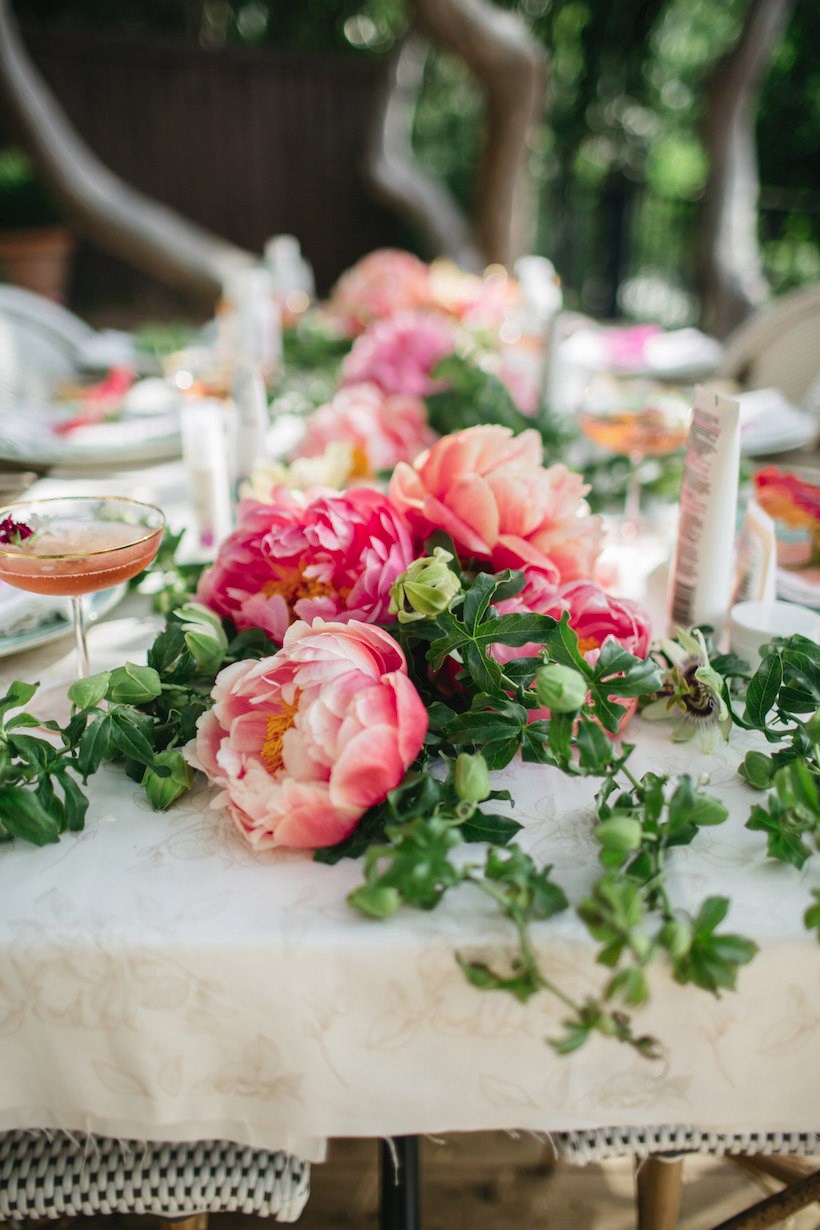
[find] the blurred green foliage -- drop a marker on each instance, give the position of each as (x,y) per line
(619,161)
(23,200)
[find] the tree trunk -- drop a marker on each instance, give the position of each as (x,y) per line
(733,283)
(399,182)
(99,205)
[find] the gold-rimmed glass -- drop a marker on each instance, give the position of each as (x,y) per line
(77,545)
(637,420)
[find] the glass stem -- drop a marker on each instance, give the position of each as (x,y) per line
(78,611)
(632,506)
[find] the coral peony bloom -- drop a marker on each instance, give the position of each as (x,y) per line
(381,284)
(593,615)
(488,489)
(400,353)
(303,743)
(308,554)
(383,429)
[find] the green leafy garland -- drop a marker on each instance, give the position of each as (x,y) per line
(141,717)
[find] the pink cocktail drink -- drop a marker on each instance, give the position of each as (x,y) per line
(66,558)
(75,546)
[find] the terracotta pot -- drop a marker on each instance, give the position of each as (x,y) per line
(38,259)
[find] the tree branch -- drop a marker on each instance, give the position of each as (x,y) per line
(100,206)
(399,181)
(732,275)
(510,66)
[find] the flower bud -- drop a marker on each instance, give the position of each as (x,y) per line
(676,937)
(89,691)
(133,685)
(472,778)
(204,635)
(758,770)
(425,589)
(561,689)
(620,833)
(163,791)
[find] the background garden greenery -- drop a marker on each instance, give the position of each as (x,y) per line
(618,164)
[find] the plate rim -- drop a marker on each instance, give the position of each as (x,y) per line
(103,601)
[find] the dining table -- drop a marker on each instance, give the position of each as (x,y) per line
(161,980)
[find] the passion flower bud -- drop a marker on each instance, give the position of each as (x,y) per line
(620,833)
(162,791)
(425,589)
(758,769)
(133,685)
(472,777)
(204,635)
(560,688)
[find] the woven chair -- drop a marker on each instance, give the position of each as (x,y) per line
(57,1174)
(659,1154)
(777,346)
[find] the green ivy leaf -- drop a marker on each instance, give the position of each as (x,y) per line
(763,689)
(23,815)
(94,745)
(491,827)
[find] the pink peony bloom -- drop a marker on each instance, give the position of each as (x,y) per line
(383,428)
(303,743)
(488,489)
(308,554)
(593,615)
(381,284)
(400,353)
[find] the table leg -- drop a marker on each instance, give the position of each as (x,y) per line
(658,1190)
(399,1208)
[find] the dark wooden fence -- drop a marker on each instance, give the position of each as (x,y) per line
(249,143)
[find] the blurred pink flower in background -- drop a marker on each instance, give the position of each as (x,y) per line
(488,489)
(308,554)
(400,353)
(383,428)
(303,743)
(594,616)
(480,302)
(378,286)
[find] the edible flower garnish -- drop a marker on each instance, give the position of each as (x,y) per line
(14,532)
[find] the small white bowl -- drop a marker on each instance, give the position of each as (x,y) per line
(753,624)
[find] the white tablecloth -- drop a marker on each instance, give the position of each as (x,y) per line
(159,980)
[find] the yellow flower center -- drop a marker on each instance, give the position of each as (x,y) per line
(278,724)
(294,585)
(585,643)
(359,463)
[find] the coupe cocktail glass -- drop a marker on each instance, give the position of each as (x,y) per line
(635,421)
(76,545)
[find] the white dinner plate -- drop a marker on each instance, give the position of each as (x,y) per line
(682,354)
(28,436)
(60,624)
(770,424)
